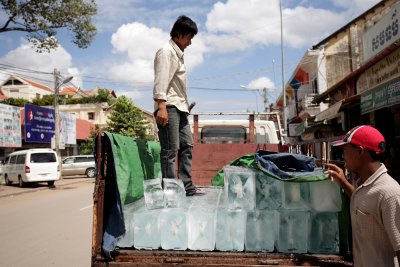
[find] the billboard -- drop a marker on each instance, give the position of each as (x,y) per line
(39,124)
(10,126)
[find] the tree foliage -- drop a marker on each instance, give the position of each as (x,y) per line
(46,100)
(127,119)
(18,102)
(102,96)
(41,19)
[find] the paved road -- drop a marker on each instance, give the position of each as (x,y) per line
(47,227)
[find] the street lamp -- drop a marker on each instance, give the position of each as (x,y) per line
(57,85)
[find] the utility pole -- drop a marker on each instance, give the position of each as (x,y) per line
(56,74)
(265,96)
(57,128)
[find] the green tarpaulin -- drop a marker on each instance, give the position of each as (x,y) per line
(135,161)
(250,162)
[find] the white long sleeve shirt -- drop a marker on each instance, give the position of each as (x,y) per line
(170,82)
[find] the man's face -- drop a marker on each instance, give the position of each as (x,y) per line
(351,157)
(184,41)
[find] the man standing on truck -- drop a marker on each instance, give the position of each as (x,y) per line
(374,201)
(172,106)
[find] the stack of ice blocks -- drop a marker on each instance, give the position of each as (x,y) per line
(254,212)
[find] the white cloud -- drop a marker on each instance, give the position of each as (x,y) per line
(141,43)
(29,61)
(258,23)
(260,83)
(138,40)
(138,72)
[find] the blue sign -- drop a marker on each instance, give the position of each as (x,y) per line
(39,124)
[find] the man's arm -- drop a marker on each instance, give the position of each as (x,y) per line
(398,256)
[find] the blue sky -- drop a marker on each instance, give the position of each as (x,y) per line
(238,45)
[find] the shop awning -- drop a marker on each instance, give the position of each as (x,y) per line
(329,113)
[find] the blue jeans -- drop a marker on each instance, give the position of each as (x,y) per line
(176,139)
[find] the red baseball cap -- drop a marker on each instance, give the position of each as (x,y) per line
(366,136)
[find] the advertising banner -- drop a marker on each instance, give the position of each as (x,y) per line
(10,126)
(39,124)
(68,129)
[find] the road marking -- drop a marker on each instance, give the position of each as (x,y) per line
(87,207)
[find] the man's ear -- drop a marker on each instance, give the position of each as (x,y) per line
(361,150)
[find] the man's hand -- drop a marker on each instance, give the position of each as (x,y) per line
(336,173)
(162,113)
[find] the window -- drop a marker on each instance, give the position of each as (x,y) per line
(37,96)
(223,135)
(84,159)
(68,161)
(91,115)
(21,159)
(13,159)
(43,157)
(14,90)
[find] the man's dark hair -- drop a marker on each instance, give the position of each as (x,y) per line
(183,26)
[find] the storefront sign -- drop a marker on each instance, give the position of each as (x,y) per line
(383,96)
(295,129)
(384,33)
(39,124)
(385,70)
(10,126)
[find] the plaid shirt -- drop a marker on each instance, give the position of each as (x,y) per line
(375,220)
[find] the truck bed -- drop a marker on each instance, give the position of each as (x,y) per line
(105,182)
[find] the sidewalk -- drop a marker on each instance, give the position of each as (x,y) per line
(14,189)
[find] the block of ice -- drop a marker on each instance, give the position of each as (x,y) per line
(201,224)
(230,230)
(128,211)
(293,231)
(174,192)
(296,196)
(146,229)
(325,196)
(173,229)
(210,200)
(153,194)
(324,233)
(261,230)
(269,192)
(239,187)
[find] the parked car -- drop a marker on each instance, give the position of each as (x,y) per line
(79,165)
(32,165)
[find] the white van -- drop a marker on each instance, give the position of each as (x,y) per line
(32,165)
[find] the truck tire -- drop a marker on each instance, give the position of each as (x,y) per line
(90,172)
(21,183)
(50,183)
(7,181)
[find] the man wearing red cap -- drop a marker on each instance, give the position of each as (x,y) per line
(374,201)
